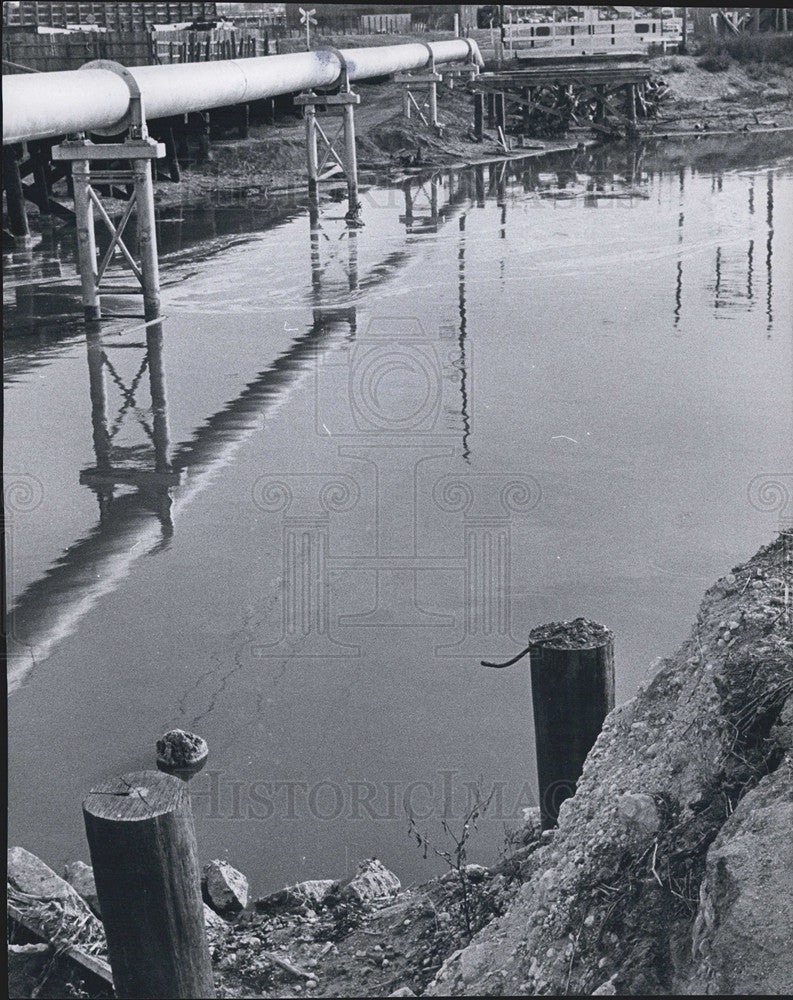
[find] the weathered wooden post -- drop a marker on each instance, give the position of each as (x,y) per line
(572,687)
(526,109)
(479,113)
(491,109)
(406,100)
(631,95)
(38,161)
(501,111)
(15,196)
(171,155)
(243,120)
(600,111)
(143,851)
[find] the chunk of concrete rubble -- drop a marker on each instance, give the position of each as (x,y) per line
(27,965)
(372,882)
(310,894)
(30,881)
(214,924)
(224,889)
(473,873)
(178,750)
(80,877)
(639,810)
(403,991)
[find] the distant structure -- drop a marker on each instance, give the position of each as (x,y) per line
(263,14)
(731,21)
(113,16)
(381,17)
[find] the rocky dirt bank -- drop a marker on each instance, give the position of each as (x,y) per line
(672,866)
(671,870)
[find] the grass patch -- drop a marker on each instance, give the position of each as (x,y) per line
(716,54)
(717,60)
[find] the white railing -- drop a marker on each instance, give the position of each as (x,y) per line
(565,38)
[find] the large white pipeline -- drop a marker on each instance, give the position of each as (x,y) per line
(43,105)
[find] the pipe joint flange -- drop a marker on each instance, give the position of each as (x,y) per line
(343,80)
(474,59)
(431,60)
(135,118)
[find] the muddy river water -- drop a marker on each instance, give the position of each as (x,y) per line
(351,464)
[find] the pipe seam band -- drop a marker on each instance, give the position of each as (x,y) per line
(343,71)
(135,115)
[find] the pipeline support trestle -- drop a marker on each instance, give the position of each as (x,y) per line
(346,99)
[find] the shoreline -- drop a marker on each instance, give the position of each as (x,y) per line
(681,771)
(675,789)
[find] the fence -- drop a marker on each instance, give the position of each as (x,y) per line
(118,16)
(50,52)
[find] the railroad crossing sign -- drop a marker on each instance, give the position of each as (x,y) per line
(307,18)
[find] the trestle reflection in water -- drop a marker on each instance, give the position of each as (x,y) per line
(348,465)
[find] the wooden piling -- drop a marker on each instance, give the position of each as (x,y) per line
(143,851)
(433,103)
(631,96)
(171,156)
(38,152)
(526,109)
(243,120)
(405,100)
(572,685)
(501,111)
(479,113)
(15,196)
(491,109)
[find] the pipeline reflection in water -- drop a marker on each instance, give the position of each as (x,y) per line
(139,492)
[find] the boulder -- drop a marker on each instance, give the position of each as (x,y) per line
(224,889)
(80,877)
(310,894)
(372,882)
(741,938)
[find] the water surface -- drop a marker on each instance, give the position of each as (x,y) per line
(349,465)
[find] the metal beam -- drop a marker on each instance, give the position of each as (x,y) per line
(42,105)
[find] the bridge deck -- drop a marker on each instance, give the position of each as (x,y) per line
(588,74)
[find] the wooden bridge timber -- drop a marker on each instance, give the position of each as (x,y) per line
(608,97)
